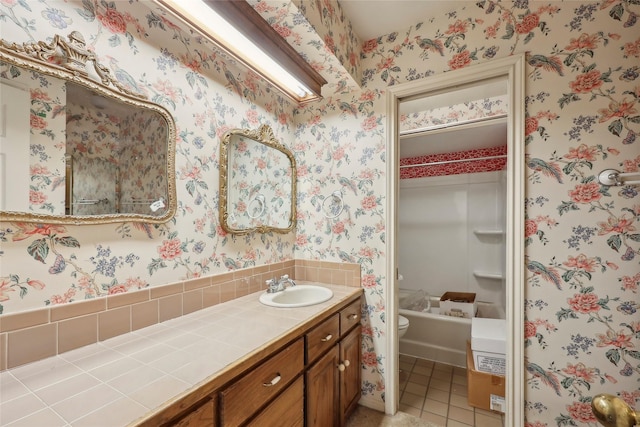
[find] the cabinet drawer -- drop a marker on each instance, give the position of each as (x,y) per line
(350,316)
(244,397)
(286,411)
(322,337)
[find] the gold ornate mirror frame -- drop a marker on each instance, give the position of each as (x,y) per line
(67,60)
(263,135)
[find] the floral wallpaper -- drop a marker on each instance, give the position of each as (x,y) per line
(466,112)
(582,244)
(207,94)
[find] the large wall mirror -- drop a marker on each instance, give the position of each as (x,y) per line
(77,145)
(257,183)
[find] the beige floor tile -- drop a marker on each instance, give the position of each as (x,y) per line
(412,400)
(419,389)
(441,375)
(484,420)
(440,384)
(465,416)
(419,378)
(410,410)
(491,414)
(406,358)
(443,367)
(423,362)
(459,379)
(459,401)
(454,423)
(436,407)
(434,418)
(439,395)
(424,370)
(459,389)
(404,366)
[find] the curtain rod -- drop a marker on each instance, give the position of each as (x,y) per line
(453,161)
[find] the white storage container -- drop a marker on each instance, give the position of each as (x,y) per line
(489,345)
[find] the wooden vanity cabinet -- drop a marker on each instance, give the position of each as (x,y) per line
(333,381)
(245,397)
(313,380)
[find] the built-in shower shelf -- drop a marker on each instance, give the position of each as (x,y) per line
(482,232)
(485,275)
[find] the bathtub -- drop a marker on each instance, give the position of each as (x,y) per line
(441,338)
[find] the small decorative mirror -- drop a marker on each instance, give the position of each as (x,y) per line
(78,144)
(257,183)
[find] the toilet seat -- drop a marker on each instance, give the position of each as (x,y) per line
(403,322)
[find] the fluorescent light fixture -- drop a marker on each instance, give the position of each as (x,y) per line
(250,50)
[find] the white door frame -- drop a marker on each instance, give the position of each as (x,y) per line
(512,67)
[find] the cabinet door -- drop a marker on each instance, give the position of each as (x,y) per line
(323,405)
(350,372)
(203,416)
(286,411)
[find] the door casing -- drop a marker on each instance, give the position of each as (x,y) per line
(513,68)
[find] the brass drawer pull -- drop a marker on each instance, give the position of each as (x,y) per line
(273,382)
(353,316)
(327,338)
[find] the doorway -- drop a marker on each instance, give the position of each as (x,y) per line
(443,85)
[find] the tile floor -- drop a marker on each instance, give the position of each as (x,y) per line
(437,393)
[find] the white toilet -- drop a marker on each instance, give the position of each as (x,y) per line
(403,325)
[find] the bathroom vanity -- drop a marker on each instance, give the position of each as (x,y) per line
(236,363)
(313,380)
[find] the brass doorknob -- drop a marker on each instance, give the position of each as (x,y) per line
(611,411)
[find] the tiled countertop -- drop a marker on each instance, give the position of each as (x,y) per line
(122,380)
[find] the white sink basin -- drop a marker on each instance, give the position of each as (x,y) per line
(297,296)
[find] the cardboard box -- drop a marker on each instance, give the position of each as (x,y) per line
(489,344)
(458,304)
(484,390)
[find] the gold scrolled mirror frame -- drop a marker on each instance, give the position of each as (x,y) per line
(277,181)
(67,60)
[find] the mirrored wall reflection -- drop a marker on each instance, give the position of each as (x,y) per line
(256,175)
(80,146)
(117,165)
(257,182)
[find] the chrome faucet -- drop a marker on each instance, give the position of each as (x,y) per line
(284,280)
(276,285)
